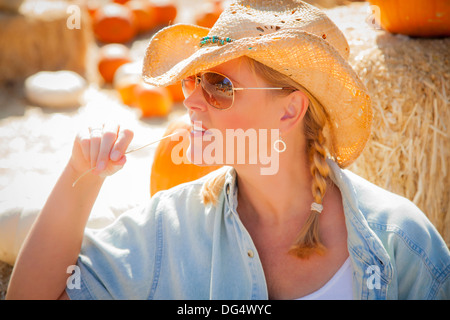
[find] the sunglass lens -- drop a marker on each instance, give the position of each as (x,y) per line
(218,90)
(188,85)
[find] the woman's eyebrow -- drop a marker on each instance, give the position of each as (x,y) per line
(233,80)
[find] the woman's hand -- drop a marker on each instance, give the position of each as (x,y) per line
(102,147)
(54,240)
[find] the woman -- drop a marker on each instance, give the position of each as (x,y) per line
(309,230)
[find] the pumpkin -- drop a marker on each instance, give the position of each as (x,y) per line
(176,92)
(92,6)
(165,12)
(153,101)
(165,173)
(114,23)
(111,57)
(144,13)
(420,18)
(126,92)
(209,16)
(126,78)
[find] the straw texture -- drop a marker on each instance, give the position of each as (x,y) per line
(38,38)
(409,82)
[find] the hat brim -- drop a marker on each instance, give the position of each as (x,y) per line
(174,54)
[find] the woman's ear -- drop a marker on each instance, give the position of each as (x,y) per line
(294,109)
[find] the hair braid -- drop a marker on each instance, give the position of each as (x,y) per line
(308,240)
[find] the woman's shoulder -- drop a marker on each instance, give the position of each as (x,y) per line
(408,236)
(374,202)
(185,197)
(398,222)
(383,207)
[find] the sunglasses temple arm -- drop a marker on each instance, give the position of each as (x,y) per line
(284,88)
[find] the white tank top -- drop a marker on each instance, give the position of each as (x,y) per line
(339,287)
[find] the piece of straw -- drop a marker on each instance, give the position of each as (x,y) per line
(129,151)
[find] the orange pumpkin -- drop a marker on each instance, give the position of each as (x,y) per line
(114,23)
(127,93)
(165,173)
(126,79)
(176,92)
(111,57)
(165,13)
(144,13)
(153,101)
(208,17)
(423,18)
(92,7)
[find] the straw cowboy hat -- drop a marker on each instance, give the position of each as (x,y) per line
(290,36)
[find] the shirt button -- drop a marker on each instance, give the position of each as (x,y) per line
(250,253)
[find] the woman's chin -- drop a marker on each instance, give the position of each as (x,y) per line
(205,148)
(195,156)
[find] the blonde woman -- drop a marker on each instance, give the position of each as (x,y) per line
(309,230)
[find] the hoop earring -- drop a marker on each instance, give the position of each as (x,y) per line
(277,142)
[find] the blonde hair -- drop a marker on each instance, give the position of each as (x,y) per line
(308,241)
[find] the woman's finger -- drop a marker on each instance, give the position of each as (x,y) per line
(108,139)
(96,138)
(113,167)
(123,141)
(84,137)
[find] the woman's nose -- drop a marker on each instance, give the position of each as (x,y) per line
(195,101)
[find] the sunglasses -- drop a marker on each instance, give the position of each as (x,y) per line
(218,90)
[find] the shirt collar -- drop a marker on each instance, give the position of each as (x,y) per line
(360,235)
(359,232)
(230,189)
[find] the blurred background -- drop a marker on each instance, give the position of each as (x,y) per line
(66,64)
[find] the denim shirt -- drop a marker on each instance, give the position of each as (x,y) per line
(174,247)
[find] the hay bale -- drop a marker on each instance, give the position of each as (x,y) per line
(5,274)
(10,5)
(409,82)
(38,38)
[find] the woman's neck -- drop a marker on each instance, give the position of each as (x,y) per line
(279,197)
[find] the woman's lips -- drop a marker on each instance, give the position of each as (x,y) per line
(198,129)
(197,126)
